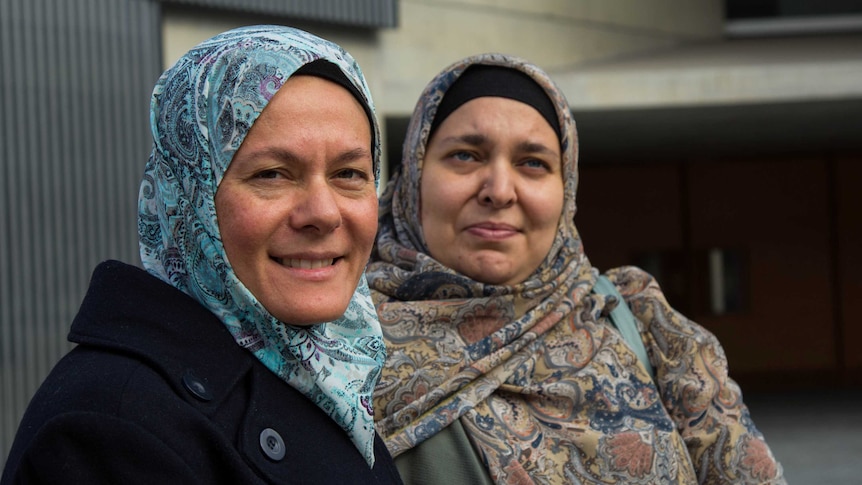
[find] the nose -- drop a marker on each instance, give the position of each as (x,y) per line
(317,209)
(498,186)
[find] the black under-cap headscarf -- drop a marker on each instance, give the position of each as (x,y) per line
(481,80)
(326,70)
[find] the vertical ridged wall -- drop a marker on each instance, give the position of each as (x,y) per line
(75,80)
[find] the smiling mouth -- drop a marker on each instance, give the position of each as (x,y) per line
(306,263)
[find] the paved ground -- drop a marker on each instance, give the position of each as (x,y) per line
(817,437)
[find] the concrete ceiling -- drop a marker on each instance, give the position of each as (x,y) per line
(818,128)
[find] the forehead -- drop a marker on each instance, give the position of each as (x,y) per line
(307,117)
(307,90)
(309,101)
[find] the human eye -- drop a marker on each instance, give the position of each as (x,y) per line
(536,164)
(462,156)
(352,179)
(352,174)
(266,174)
(266,180)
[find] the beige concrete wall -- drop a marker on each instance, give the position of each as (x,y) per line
(551,33)
(184,28)
(554,34)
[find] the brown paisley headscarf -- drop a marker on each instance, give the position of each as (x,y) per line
(546,390)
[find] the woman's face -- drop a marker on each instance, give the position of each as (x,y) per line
(492,190)
(297,208)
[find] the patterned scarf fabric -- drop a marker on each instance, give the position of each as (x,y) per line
(202,108)
(545,389)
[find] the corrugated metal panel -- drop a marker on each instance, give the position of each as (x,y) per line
(357,13)
(74,85)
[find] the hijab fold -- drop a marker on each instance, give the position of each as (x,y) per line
(201,111)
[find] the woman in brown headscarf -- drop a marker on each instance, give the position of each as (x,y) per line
(503,365)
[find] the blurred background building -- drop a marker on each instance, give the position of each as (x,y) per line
(721,149)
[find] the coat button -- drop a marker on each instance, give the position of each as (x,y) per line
(272,444)
(196,387)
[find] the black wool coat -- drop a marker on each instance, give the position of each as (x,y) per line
(158,391)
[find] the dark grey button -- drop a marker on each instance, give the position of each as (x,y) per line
(272,444)
(196,386)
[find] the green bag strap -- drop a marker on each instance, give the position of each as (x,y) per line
(624,321)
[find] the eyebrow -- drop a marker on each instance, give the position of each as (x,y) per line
(477,139)
(533,147)
(289,156)
(351,155)
(471,139)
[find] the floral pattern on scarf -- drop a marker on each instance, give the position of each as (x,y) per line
(546,390)
(202,108)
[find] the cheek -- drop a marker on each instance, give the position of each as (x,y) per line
(238,225)
(547,209)
(363,213)
(438,198)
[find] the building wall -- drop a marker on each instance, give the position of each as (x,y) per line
(794,222)
(553,34)
(848,263)
(431,34)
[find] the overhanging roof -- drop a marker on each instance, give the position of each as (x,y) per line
(721,72)
(742,97)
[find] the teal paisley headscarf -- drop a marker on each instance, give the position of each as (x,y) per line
(201,110)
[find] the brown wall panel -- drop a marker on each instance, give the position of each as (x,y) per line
(628,213)
(626,209)
(848,188)
(778,213)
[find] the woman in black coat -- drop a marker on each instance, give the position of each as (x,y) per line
(247,349)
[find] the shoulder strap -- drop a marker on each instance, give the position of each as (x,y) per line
(624,321)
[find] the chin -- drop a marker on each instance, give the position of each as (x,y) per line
(306,317)
(489,277)
(309,320)
(490,274)
(304,304)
